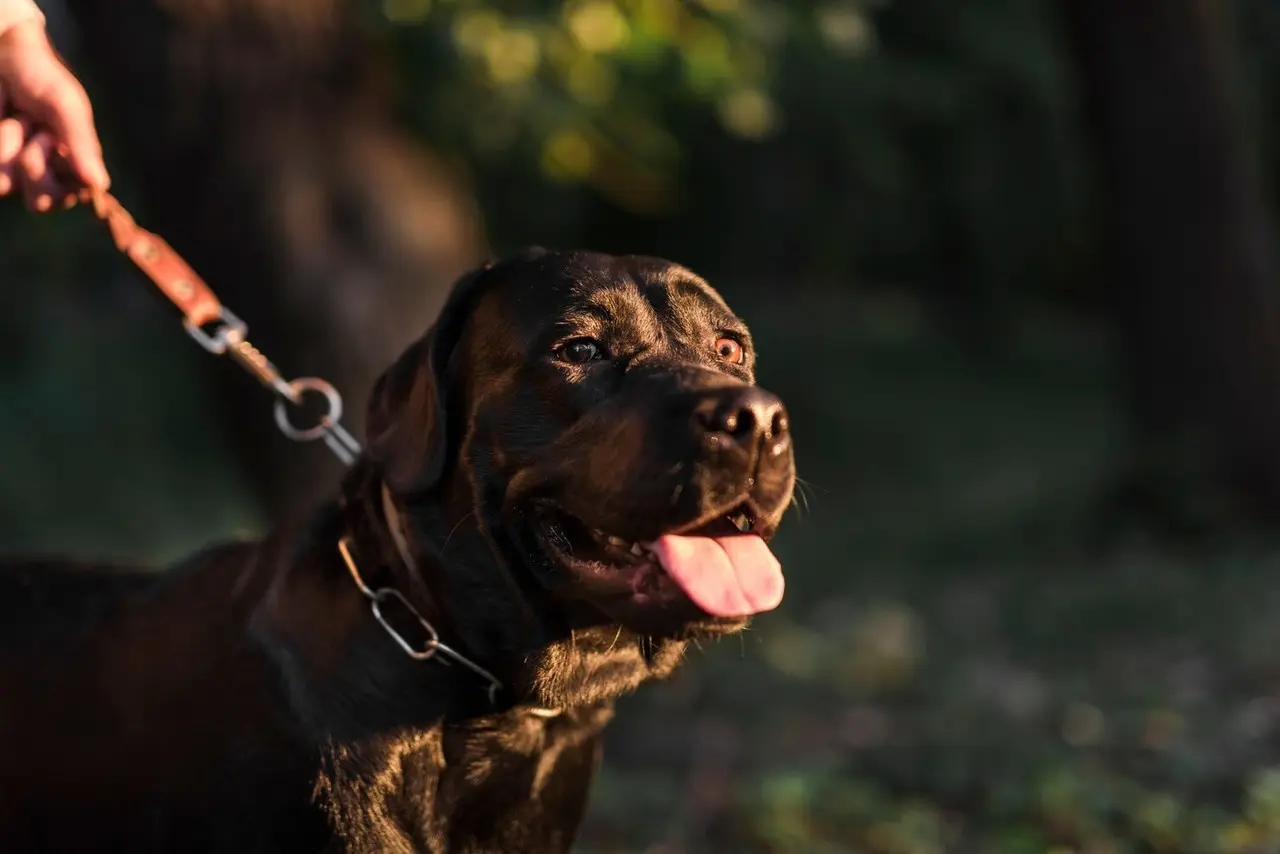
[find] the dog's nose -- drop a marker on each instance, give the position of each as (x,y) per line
(747,415)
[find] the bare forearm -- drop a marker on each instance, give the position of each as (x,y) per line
(16,11)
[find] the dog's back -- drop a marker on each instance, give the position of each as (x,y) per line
(40,598)
(124,686)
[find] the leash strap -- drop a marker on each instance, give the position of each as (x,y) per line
(158,260)
(202,311)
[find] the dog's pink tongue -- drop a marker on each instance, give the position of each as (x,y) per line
(730,576)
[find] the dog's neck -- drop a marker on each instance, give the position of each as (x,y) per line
(439,552)
(400,536)
(405,602)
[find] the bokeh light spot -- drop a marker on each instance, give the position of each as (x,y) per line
(567,156)
(512,56)
(406,11)
(598,25)
(748,113)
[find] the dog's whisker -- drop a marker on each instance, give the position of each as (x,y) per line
(800,497)
(799,505)
(615,640)
(465,517)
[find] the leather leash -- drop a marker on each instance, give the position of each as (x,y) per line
(157,259)
(178,281)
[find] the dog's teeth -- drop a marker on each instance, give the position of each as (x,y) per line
(618,541)
(741,521)
(636,550)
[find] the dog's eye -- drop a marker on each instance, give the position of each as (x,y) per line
(579,351)
(730,350)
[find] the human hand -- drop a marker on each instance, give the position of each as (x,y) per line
(45,116)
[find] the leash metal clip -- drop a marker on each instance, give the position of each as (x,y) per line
(230,338)
(201,308)
(329,428)
(229,327)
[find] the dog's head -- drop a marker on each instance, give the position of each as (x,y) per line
(596,418)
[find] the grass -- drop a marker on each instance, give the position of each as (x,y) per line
(960,663)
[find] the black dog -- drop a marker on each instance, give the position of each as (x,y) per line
(568,477)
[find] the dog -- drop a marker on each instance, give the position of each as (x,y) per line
(568,478)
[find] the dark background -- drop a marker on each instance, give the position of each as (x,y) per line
(1011,263)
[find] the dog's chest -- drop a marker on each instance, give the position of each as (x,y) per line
(465,791)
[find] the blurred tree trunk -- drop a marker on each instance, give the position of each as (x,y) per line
(260,138)
(1191,260)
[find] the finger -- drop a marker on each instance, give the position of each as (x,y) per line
(13,135)
(35,168)
(70,116)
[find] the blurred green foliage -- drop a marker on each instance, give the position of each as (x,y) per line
(927,143)
(585,91)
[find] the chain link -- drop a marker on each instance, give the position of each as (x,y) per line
(432,646)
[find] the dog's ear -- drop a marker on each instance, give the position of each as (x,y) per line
(408,415)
